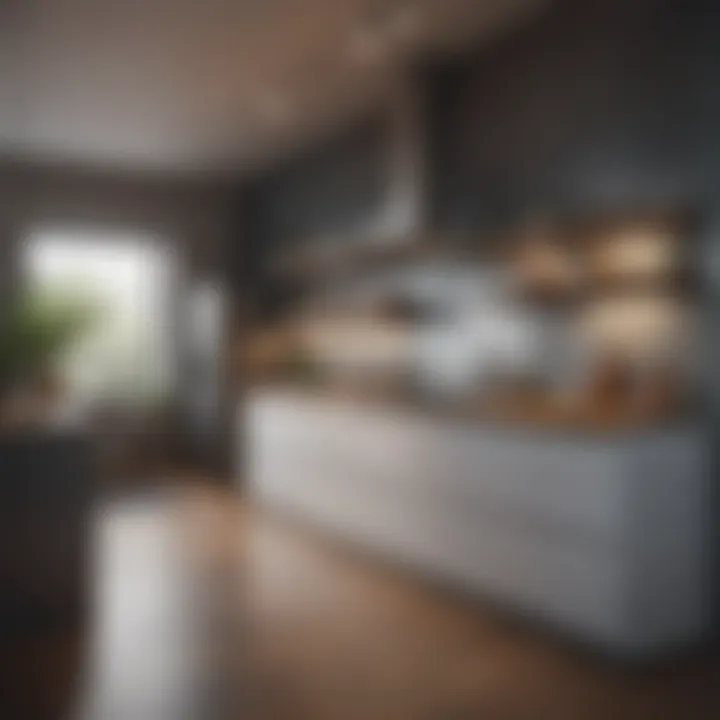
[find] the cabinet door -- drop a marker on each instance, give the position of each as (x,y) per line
(548,480)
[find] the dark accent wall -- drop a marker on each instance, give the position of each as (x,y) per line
(334,189)
(593,105)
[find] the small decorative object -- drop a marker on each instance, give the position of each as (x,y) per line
(545,269)
(635,251)
(639,328)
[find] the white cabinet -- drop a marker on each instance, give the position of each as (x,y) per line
(602,536)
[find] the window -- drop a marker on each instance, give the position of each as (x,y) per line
(126,357)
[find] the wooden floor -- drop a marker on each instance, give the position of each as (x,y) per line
(206,609)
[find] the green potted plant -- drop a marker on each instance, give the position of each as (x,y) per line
(36,329)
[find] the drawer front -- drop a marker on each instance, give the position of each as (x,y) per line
(555,481)
(582,487)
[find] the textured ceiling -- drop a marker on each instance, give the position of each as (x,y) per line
(197,84)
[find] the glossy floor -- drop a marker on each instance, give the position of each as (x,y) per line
(207,609)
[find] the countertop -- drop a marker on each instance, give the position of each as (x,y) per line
(424,408)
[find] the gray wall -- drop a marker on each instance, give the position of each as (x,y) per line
(364,182)
(192,215)
(594,105)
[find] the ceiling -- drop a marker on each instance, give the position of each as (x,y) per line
(209,84)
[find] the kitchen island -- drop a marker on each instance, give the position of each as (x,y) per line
(602,535)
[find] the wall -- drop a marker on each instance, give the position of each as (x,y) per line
(333,189)
(194,215)
(364,182)
(595,104)
(590,105)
